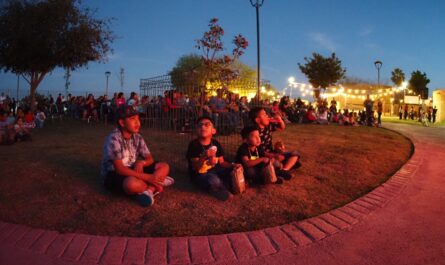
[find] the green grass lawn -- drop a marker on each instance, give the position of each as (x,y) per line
(394,119)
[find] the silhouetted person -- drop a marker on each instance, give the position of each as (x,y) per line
(434,114)
(405,112)
(368,106)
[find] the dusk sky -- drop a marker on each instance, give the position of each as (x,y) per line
(154,34)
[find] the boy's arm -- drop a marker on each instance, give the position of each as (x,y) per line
(198,161)
(251,163)
(226,164)
(140,164)
(121,169)
(281,124)
(277,156)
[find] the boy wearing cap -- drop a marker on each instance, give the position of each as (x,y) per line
(128,166)
(207,166)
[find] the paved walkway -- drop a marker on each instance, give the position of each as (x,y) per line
(400,222)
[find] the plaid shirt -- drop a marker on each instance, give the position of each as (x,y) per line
(127,150)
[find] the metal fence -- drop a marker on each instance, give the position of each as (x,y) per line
(175,108)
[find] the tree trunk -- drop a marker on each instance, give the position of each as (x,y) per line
(33,88)
(317,93)
(34,82)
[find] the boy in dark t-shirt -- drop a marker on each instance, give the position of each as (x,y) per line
(252,156)
(207,166)
(289,159)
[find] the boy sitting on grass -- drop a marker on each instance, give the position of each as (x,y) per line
(252,156)
(207,166)
(128,166)
(289,159)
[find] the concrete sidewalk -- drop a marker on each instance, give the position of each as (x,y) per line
(400,222)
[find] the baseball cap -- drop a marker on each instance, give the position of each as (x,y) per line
(126,111)
(204,118)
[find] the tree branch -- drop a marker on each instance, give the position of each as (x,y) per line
(26,79)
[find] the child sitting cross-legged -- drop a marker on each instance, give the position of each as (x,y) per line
(253,158)
(290,160)
(128,166)
(207,166)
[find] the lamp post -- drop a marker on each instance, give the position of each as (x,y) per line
(257,4)
(378,65)
(107,74)
(18,87)
(291,81)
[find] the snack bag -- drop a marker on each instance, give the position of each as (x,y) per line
(238,181)
(269,173)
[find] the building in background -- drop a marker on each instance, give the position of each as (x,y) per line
(439,102)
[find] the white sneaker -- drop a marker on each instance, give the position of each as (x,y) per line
(168,181)
(145,198)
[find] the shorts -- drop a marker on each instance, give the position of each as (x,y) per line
(114,182)
(290,154)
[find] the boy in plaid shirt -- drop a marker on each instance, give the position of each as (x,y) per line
(128,166)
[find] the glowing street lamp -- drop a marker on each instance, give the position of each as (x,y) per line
(378,65)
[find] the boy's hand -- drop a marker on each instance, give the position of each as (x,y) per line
(280,157)
(156,179)
(211,152)
(237,166)
(265,160)
(277,116)
(139,166)
(213,160)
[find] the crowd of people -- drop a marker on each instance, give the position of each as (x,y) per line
(426,116)
(178,111)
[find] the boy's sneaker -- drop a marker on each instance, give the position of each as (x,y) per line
(145,198)
(168,181)
(221,194)
(284,174)
(279,180)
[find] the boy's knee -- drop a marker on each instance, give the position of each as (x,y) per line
(162,166)
(214,181)
(133,185)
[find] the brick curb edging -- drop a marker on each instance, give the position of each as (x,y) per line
(205,249)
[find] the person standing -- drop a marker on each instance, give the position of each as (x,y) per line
(368,106)
(434,114)
(400,112)
(405,112)
(379,112)
(430,112)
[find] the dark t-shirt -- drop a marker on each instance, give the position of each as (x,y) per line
(243,150)
(266,136)
(196,150)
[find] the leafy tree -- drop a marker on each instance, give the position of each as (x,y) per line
(219,67)
(418,83)
(322,72)
(38,36)
(188,72)
(397,76)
